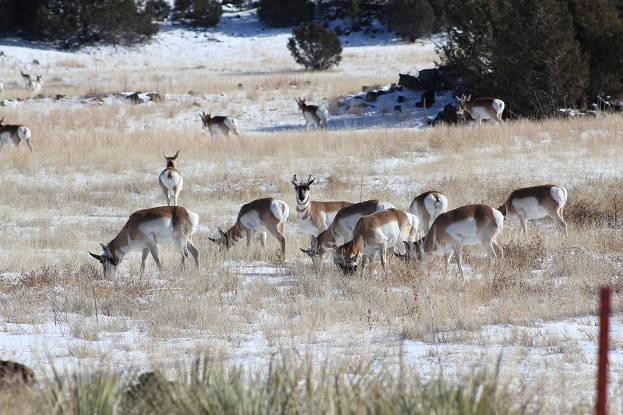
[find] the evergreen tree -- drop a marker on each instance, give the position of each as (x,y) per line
(315,47)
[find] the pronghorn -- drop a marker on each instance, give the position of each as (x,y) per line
(314,114)
(375,233)
(535,203)
(219,124)
(481,108)
(341,229)
(427,207)
(170,180)
(1,89)
(313,217)
(147,228)
(259,216)
(467,225)
(14,134)
(33,85)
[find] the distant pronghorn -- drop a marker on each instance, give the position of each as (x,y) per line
(481,108)
(535,203)
(313,217)
(376,233)
(219,124)
(147,228)
(259,216)
(341,229)
(314,114)
(467,225)
(14,134)
(33,85)
(427,207)
(1,89)
(170,180)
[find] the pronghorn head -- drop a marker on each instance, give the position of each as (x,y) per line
(462,101)
(171,160)
(346,259)
(413,251)
(301,103)
(206,118)
(108,260)
(302,188)
(223,240)
(25,75)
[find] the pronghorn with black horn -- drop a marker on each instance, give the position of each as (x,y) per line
(261,216)
(14,134)
(313,217)
(341,229)
(147,228)
(374,233)
(427,207)
(33,85)
(219,124)
(467,225)
(314,114)
(481,108)
(170,180)
(534,203)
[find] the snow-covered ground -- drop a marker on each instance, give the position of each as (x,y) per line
(242,45)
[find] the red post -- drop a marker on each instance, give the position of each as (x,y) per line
(602,371)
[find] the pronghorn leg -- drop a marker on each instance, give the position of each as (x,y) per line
(165,191)
(153,248)
(383,254)
(558,218)
(278,234)
(144,257)
(524,224)
(459,260)
(193,251)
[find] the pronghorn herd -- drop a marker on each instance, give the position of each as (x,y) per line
(356,232)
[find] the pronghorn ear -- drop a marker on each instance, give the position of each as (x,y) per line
(294,181)
(177,153)
(104,247)
(223,234)
(99,258)
(214,239)
(469,97)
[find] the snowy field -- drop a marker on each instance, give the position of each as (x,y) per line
(96,157)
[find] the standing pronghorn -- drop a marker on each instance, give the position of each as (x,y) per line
(259,216)
(427,207)
(219,124)
(314,114)
(33,85)
(467,225)
(376,233)
(341,229)
(481,108)
(145,229)
(313,217)
(170,180)
(14,134)
(535,203)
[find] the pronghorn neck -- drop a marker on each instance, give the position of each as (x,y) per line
(236,233)
(172,165)
(303,208)
(119,246)
(430,241)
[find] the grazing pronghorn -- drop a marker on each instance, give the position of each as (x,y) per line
(147,228)
(481,108)
(376,233)
(170,180)
(14,134)
(535,203)
(313,217)
(259,216)
(467,225)
(341,229)
(219,124)
(427,207)
(314,114)
(33,85)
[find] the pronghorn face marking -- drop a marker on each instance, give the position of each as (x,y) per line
(223,240)
(302,189)
(108,260)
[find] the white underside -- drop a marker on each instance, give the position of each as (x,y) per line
(308,227)
(252,220)
(345,227)
(465,232)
